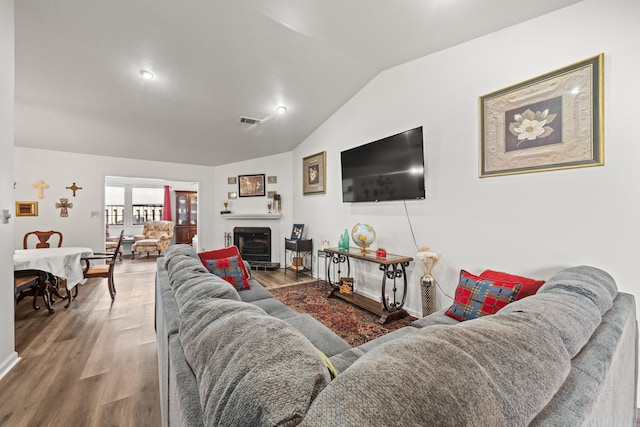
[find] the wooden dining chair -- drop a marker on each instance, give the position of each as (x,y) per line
(102,270)
(28,282)
(43,239)
(43,242)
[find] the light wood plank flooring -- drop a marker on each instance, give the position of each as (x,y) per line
(94,364)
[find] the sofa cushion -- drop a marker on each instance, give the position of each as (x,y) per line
(223,253)
(528,286)
(185,271)
(436,318)
(476,297)
(239,382)
(230,269)
(275,308)
(204,286)
(179,249)
(257,292)
(323,338)
(573,302)
(491,371)
(595,284)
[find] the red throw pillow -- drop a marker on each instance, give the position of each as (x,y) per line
(476,297)
(222,253)
(529,286)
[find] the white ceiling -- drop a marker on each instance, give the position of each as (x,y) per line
(78,86)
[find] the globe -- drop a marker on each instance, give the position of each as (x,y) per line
(363,235)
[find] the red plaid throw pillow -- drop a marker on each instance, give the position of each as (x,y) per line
(230,269)
(476,297)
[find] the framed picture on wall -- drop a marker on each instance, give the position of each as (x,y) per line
(554,121)
(26,208)
(313,174)
(251,185)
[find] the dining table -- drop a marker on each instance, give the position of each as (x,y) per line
(59,263)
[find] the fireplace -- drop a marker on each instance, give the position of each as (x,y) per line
(254,244)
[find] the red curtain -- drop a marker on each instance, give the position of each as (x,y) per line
(166,210)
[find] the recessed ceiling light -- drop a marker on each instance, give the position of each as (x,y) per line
(281,109)
(146,74)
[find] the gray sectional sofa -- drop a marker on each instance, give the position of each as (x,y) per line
(566,356)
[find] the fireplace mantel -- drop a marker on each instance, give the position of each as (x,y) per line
(251,216)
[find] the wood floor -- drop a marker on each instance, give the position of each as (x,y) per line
(94,364)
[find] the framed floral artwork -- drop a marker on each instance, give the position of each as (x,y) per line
(251,185)
(313,174)
(554,121)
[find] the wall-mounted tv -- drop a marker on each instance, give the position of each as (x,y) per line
(391,168)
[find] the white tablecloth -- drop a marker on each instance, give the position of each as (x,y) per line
(61,262)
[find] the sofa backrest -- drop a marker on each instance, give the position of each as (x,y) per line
(502,369)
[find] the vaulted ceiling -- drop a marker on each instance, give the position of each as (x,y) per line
(78,63)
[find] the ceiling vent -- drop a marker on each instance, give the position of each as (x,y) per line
(250,121)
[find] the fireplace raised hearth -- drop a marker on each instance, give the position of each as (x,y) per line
(254,244)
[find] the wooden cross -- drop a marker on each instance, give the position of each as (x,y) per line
(64,207)
(74,188)
(40,186)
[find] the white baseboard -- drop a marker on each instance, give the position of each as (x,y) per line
(8,364)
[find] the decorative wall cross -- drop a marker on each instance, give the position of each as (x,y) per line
(40,186)
(74,188)
(64,207)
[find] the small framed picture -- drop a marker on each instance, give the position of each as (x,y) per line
(272,180)
(231,180)
(270,194)
(313,174)
(296,231)
(232,195)
(26,208)
(251,185)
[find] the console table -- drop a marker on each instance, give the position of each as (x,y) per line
(392,267)
(302,249)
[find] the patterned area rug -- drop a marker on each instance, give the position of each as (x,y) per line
(351,323)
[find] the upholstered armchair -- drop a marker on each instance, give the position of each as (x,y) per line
(111,243)
(156,236)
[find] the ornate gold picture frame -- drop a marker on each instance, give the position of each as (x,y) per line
(314,174)
(554,121)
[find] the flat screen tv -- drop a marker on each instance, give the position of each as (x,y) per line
(391,168)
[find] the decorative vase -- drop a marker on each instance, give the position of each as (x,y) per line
(277,203)
(363,235)
(343,241)
(428,288)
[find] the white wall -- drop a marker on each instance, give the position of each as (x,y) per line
(278,165)
(8,356)
(531,224)
(60,170)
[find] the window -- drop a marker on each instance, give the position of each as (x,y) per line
(146,204)
(114,205)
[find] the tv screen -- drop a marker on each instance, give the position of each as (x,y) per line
(391,168)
